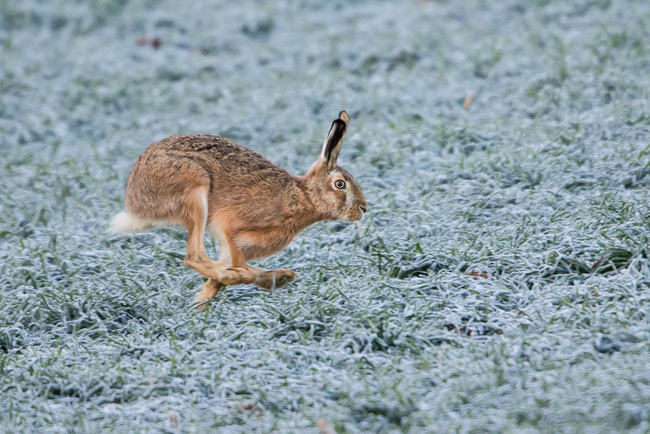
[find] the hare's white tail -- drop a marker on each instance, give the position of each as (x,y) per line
(125,223)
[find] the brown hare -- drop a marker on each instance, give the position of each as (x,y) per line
(252,207)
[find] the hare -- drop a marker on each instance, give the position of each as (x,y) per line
(252,207)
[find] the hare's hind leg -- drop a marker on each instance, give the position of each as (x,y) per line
(271,279)
(195,214)
(231,254)
(265,279)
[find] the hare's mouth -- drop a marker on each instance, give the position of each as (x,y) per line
(358,213)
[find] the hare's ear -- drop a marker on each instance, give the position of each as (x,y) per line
(334,141)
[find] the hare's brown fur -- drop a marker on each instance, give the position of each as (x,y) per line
(254,208)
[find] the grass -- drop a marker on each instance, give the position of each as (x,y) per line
(500,282)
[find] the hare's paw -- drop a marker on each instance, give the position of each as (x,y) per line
(284,276)
(274,278)
(210,288)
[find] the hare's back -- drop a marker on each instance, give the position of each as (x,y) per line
(220,157)
(197,145)
(213,150)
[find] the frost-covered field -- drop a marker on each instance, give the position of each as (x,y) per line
(500,282)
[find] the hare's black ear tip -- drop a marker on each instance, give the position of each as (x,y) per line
(344,116)
(340,123)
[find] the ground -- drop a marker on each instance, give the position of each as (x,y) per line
(500,281)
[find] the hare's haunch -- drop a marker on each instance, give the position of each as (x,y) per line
(252,207)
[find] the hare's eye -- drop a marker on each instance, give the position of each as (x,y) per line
(340,184)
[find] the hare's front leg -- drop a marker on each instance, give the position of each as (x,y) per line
(210,288)
(271,279)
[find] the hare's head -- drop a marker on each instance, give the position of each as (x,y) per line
(335,193)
